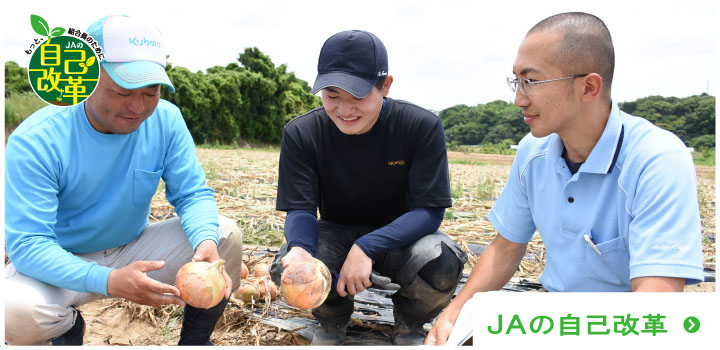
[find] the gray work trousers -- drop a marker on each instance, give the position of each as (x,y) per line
(37,312)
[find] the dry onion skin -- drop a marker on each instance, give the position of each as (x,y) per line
(267,286)
(244,272)
(247,292)
(305,283)
(201,284)
(261,270)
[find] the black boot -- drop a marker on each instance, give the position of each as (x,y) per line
(408,333)
(198,324)
(329,334)
(74,336)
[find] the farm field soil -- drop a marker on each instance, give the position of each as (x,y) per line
(245,182)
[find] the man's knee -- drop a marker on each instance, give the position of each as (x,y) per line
(230,248)
(436,273)
(436,258)
(429,276)
(31,323)
(229,230)
(443,272)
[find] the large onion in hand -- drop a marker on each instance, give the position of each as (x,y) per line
(201,284)
(305,283)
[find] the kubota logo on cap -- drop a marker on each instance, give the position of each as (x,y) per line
(144,42)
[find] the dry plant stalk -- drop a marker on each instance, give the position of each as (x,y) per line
(245,184)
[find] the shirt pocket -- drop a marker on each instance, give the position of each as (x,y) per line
(613,266)
(144,186)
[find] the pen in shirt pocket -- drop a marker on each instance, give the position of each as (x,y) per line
(589,241)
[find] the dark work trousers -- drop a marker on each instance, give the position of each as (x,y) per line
(435,257)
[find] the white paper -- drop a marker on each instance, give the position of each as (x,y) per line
(464,325)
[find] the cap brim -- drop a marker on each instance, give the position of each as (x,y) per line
(134,75)
(356,86)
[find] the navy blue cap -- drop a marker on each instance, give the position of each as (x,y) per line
(352,60)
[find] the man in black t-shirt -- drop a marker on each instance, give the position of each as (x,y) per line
(376,168)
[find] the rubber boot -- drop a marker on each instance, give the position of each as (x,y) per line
(74,336)
(198,324)
(407,333)
(333,334)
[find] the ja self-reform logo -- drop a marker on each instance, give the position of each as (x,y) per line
(63,68)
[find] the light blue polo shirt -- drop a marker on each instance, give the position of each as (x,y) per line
(635,196)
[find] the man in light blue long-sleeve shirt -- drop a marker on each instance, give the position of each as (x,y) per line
(78,184)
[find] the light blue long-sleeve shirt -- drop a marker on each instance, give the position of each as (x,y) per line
(70,189)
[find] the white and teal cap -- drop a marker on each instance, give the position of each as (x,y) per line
(134,51)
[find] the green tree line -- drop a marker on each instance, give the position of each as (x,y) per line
(490,123)
(16,79)
(252,99)
(246,101)
(690,118)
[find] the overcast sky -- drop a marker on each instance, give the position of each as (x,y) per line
(441,53)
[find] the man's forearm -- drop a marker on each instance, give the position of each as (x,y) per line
(46,261)
(405,229)
(301,230)
(658,284)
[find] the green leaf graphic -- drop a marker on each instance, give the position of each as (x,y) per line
(90,61)
(57,31)
(39,25)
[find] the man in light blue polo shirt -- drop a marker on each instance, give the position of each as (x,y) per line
(613,197)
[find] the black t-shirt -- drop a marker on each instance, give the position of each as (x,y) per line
(572,166)
(373,178)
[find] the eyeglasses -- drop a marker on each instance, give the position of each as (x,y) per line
(525,85)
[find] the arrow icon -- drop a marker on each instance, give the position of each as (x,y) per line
(691,324)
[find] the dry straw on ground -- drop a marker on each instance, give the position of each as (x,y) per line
(245,181)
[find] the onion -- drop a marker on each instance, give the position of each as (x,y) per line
(244,272)
(247,292)
(305,283)
(267,287)
(201,284)
(261,270)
